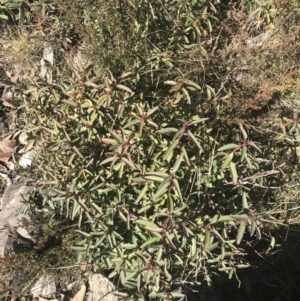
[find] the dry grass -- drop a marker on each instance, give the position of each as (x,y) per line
(20,53)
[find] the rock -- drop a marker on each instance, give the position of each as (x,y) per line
(47,60)
(27,158)
(45,287)
(23,138)
(100,288)
(10,214)
(80,60)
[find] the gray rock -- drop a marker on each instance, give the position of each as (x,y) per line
(44,287)
(10,214)
(100,289)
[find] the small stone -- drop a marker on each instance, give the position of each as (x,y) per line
(100,288)
(26,159)
(44,287)
(23,138)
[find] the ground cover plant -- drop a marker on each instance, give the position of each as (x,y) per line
(173,151)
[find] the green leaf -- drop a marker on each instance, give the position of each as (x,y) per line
(227,161)
(141,194)
(138,180)
(244,200)
(190,46)
(178,162)
(176,87)
(233,171)
(169,238)
(124,88)
(128,162)
(177,295)
(179,132)
(167,130)
(160,174)
(170,82)
(253,227)
(227,147)
(198,120)
(207,241)
(194,139)
(251,143)
(243,153)
(187,95)
(154,178)
(161,190)
(170,149)
(241,232)
(243,131)
(150,112)
(150,242)
(70,102)
(4,17)
(241,217)
(242,266)
(194,85)
(224,218)
(146,223)
(176,184)
(108,160)
(154,295)
(117,137)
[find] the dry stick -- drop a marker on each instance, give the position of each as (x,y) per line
(217,39)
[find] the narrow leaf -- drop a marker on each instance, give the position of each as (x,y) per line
(178,162)
(146,223)
(241,217)
(194,139)
(161,190)
(227,147)
(124,88)
(241,232)
(150,112)
(233,172)
(227,161)
(176,184)
(149,242)
(171,148)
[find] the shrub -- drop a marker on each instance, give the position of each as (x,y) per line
(159,200)
(165,166)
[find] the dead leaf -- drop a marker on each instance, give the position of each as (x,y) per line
(80,295)
(24,233)
(7,104)
(6,149)
(16,134)
(8,136)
